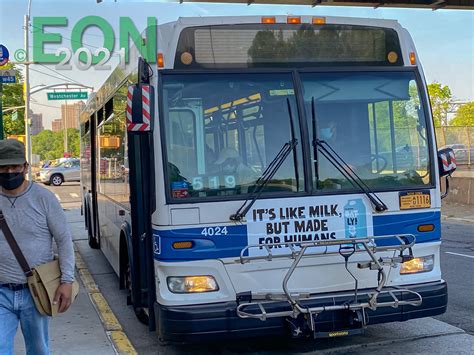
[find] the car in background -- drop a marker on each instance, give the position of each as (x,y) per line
(65,171)
(463,154)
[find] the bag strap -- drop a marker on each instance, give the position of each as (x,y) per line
(14,246)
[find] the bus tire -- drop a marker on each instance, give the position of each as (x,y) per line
(140,313)
(163,342)
(92,240)
(125,280)
(84,213)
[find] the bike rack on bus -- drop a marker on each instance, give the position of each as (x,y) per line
(347,247)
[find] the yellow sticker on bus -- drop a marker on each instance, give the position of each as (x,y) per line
(415,199)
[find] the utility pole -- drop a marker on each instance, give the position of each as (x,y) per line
(27,93)
(1,111)
(65,126)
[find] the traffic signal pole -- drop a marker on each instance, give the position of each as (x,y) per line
(65,127)
(1,111)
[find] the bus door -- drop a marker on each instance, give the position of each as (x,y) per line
(140,111)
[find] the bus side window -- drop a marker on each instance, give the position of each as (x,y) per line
(182,149)
(112,144)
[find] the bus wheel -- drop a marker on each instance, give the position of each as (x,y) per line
(93,241)
(140,312)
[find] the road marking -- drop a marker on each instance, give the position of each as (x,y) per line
(112,327)
(57,196)
(467,256)
(122,342)
(107,317)
(74,195)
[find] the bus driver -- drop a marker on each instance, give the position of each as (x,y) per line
(230,163)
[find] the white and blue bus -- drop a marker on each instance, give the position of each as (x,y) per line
(268,176)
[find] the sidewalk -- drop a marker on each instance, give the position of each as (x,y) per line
(78,331)
(457,212)
(464,171)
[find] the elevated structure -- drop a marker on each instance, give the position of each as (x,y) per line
(426,4)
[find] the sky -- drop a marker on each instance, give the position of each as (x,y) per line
(444,38)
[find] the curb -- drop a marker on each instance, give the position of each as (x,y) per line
(456,219)
(112,327)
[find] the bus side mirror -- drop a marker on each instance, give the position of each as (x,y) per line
(140,108)
(446,162)
(446,165)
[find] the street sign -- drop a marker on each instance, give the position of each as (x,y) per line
(8,76)
(14,115)
(68,95)
(4,55)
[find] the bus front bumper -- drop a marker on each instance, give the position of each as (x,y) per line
(206,321)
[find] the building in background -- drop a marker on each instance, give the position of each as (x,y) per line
(36,123)
(70,114)
(57,125)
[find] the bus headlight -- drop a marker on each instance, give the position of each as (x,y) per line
(192,284)
(416,265)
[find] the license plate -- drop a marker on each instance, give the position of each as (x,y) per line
(415,199)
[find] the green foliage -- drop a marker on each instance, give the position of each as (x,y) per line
(73,139)
(440,97)
(405,120)
(464,115)
(50,145)
(12,95)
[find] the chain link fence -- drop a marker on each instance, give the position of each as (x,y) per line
(460,139)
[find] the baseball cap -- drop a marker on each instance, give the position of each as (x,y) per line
(12,152)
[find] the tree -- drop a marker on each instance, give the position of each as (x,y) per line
(12,95)
(440,97)
(266,47)
(73,142)
(50,145)
(464,115)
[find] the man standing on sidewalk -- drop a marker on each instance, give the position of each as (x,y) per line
(35,218)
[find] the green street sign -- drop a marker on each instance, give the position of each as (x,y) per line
(68,95)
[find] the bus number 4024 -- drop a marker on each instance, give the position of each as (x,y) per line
(212,231)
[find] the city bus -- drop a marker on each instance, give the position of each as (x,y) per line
(268,175)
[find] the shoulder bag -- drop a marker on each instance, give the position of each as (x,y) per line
(43,280)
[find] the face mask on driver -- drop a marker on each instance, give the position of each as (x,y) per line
(229,166)
(11,181)
(327,133)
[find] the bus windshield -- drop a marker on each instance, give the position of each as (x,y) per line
(223,130)
(374,122)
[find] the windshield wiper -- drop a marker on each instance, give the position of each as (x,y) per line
(270,171)
(345,169)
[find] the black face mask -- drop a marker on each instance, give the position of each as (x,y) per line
(11,181)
